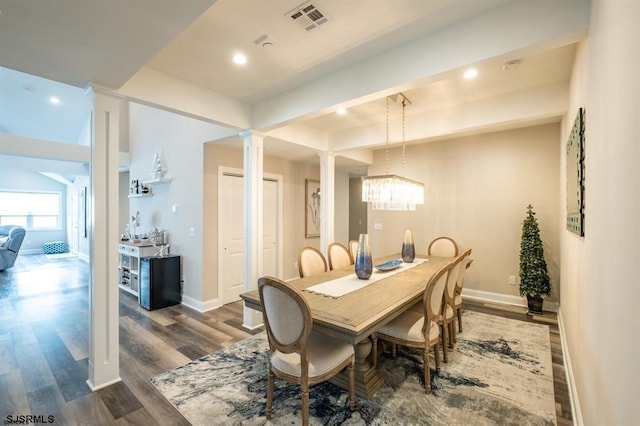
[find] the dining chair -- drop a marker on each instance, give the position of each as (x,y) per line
(339,256)
(457,305)
(443,246)
(418,329)
(353,250)
(448,318)
(299,355)
(310,262)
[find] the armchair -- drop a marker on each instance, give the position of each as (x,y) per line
(11,237)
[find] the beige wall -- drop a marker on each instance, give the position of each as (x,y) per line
(357,210)
(476,191)
(293,174)
(600,291)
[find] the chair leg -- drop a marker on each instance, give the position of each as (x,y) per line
(427,372)
(352,383)
(459,319)
(436,355)
(270,378)
(452,332)
(305,404)
(394,349)
(444,333)
(374,353)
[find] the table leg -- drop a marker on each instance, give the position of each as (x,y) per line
(368,379)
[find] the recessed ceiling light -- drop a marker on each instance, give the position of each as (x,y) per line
(470,73)
(54,100)
(341,111)
(239,59)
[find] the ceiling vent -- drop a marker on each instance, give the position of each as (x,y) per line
(308,16)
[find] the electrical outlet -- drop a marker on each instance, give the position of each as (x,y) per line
(377,226)
(512,279)
(295,266)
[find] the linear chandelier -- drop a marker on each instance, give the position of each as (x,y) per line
(389,191)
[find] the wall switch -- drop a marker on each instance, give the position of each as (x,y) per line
(295,266)
(377,226)
(512,279)
(192,232)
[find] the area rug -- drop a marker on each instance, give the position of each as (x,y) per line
(500,372)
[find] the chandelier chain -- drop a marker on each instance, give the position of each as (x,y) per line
(386,162)
(403,147)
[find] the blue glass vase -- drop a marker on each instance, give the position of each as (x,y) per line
(408,248)
(364,263)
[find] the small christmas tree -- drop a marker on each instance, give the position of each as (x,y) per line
(534,280)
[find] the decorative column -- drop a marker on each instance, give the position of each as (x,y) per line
(327,199)
(102,221)
(253,205)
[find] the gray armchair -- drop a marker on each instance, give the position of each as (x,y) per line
(9,248)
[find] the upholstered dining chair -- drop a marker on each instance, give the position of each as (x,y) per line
(311,262)
(353,250)
(457,303)
(339,256)
(443,246)
(418,329)
(299,355)
(448,318)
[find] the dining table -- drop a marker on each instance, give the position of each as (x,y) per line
(349,309)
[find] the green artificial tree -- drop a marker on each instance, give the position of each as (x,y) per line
(534,279)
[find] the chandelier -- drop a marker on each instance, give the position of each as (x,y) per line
(392,192)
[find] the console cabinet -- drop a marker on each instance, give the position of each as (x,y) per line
(129,255)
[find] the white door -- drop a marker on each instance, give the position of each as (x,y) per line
(231,234)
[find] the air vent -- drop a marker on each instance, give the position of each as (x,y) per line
(308,16)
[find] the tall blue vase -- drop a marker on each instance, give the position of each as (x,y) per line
(408,248)
(364,263)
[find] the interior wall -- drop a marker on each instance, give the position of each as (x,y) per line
(357,210)
(294,175)
(599,272)
(123,202)
(23,180)
(180,140)
(477,190)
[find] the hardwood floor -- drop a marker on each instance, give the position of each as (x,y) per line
(44,347)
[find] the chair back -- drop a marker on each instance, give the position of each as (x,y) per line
(339,256)
(443,246)
(15,236)
(432,296)
(464,265)
(353,250)
(452,279)
(287,317)
(311,262)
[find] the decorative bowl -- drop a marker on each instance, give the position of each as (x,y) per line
(390,265)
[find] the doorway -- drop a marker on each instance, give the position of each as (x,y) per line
(231,231)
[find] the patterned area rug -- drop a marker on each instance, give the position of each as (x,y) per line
(500,372)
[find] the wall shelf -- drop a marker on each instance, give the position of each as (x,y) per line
(156,181)
(148,194)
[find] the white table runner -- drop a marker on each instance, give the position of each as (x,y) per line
(347,284)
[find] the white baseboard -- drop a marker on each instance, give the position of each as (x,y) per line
(576,412)
(30,251)
(198,305)
(103,385)
(504,299)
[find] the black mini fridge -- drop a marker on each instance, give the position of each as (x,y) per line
(160,282)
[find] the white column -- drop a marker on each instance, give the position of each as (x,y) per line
(103,233)
(253,205)
(327,199)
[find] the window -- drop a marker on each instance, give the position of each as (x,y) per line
(32,210)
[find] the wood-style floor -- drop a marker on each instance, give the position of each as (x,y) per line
(44,346)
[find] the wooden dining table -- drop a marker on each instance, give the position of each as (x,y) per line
(354,316)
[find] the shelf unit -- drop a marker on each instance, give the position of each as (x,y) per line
(129,255)
(156,181)
(148,194)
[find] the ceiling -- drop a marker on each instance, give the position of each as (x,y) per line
(58,47)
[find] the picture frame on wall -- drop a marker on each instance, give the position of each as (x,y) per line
(312,208)
(575,176)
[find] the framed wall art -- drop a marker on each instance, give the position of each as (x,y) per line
(575,176)
(312,208)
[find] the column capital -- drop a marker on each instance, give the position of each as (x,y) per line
(92,89)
